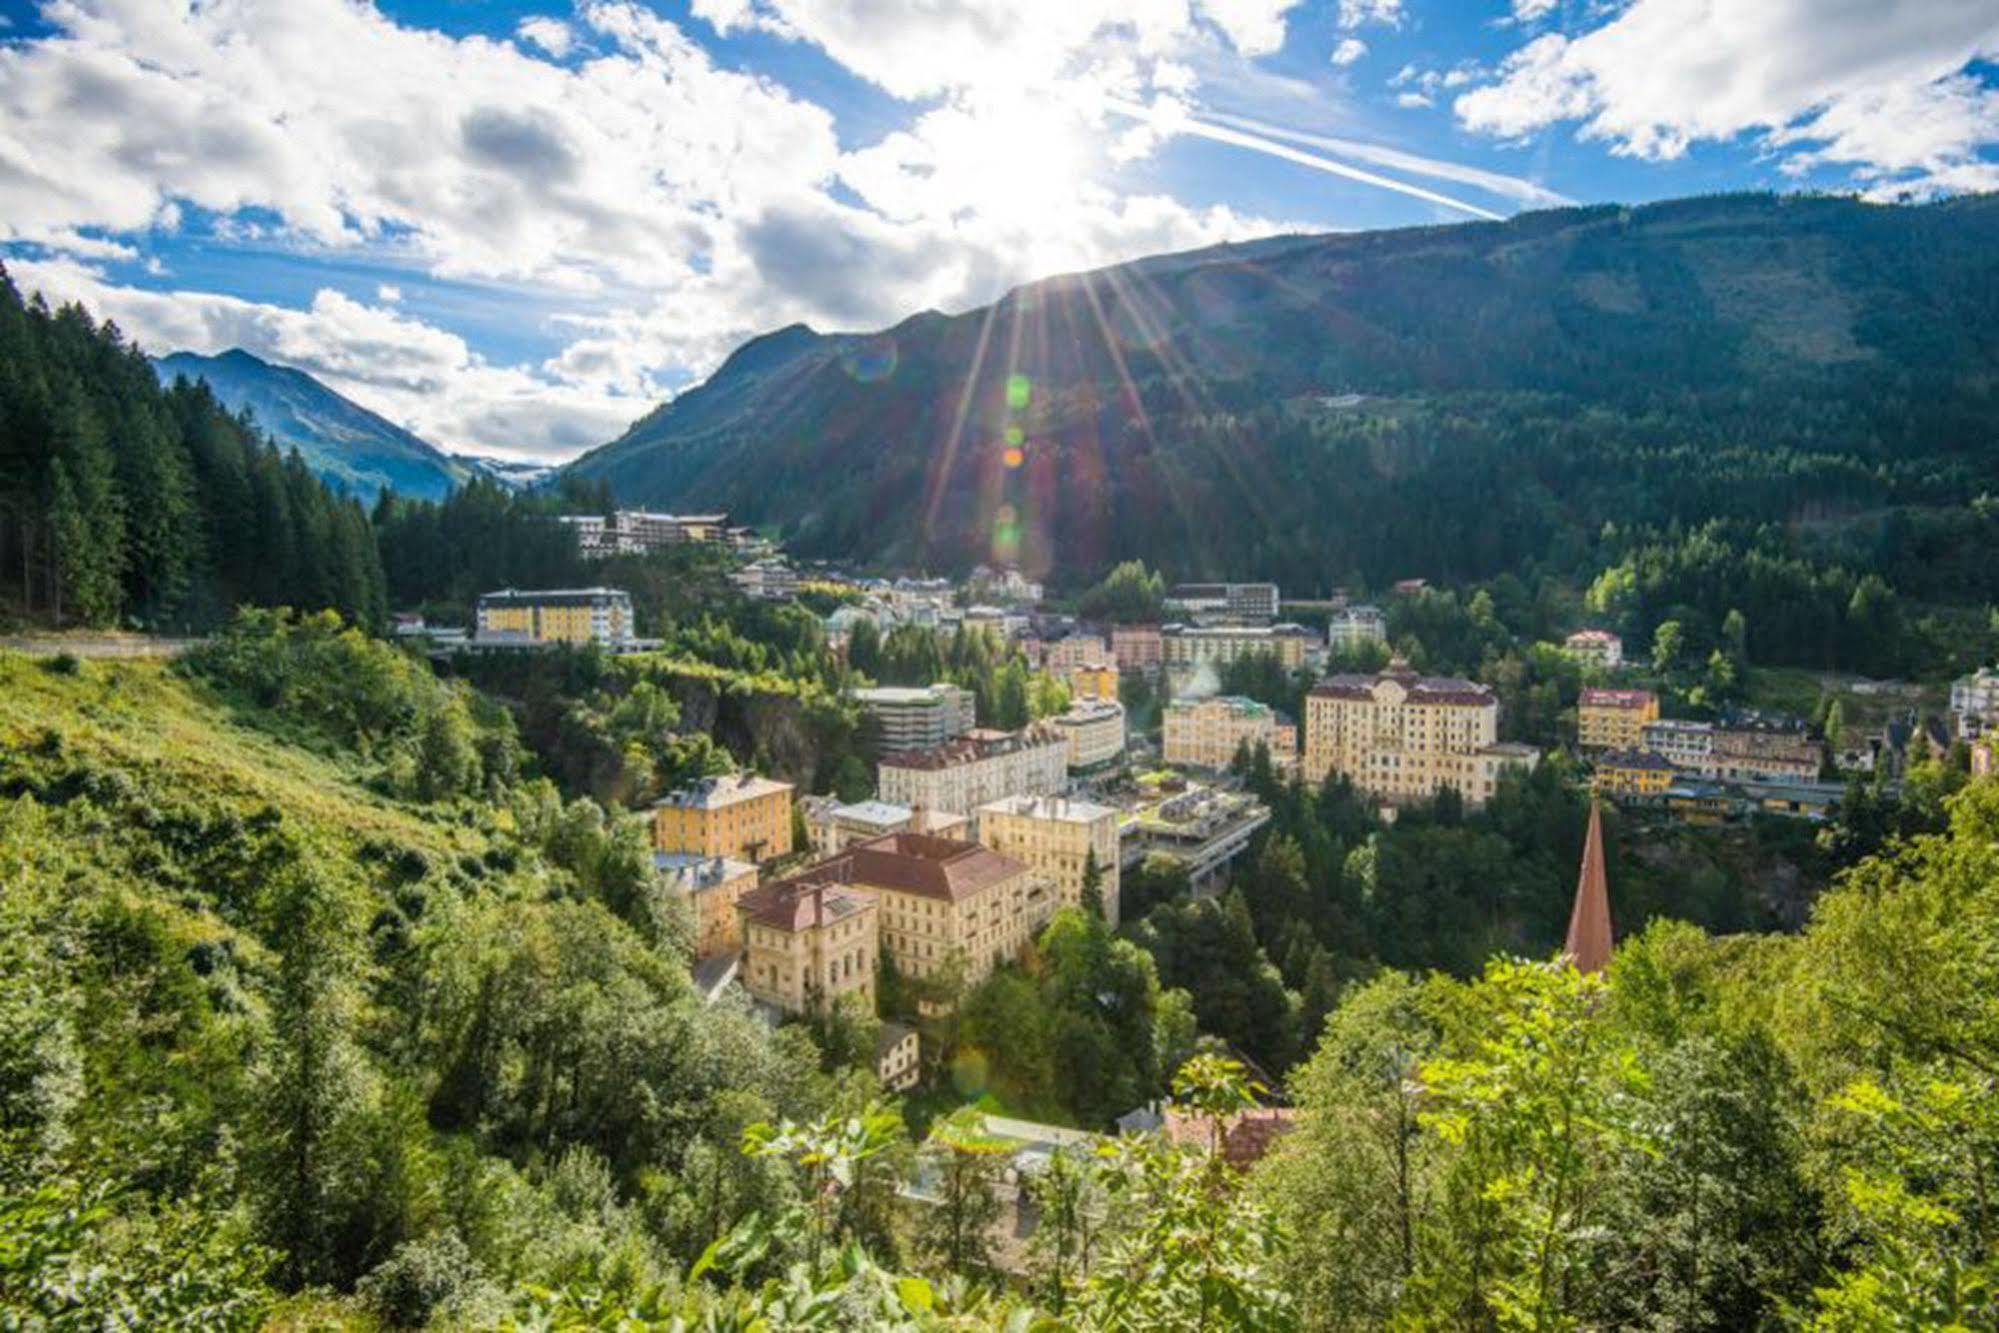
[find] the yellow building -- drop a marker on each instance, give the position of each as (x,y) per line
(810,945)
(602,616)
(712,885)
(1206,733)
(1632,773)
(739,815)
(1056,837)
(1614,719)
(1403,737)
(1094,680)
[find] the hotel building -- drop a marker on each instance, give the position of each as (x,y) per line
(809,944)
(1093,731)
(980,766)
(738,815)
(602,616)
(1188,648)
(1403,737)
(1055,837)
(1614,719)
(1206,733)
(1139,649)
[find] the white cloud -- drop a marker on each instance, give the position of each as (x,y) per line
(1360,13)
(1411,101)
(388,293)
(1349,50)
(1876,87)
(1532,11)
(551,35)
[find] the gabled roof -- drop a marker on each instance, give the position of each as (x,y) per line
(802,904)
(915,863)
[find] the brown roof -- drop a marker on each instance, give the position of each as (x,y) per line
(1635,759)
(1421,689)
(802,903)
(1588,944)
(973,746)
(918,863)
(1602,698)
(1246,1136)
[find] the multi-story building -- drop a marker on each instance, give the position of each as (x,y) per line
(1241,602)
(898,1060)
(1629,773)
(1399,736)
(909,717)
(1596,648)
(1139,649)
(1684,744)
(1095,680)
(739,815)
(1351,626)
(1188,648)
(809,945)
(768,580)
(1093,731)
(1974,702)
(1766,752)
(941,900)
(833,827)
(1057,837)
(602,616)
(1614,719)
(1007,585)
(636,531)
(1206,733)
(1061,656)
(712,885)
(980,766)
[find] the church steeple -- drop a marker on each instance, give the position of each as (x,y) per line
(1588,945)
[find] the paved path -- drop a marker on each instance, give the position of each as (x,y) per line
(107,645)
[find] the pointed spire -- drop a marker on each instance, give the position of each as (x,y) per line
(1588,945)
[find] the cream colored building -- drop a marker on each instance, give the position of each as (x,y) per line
(1056,837)
(1095,680)
(1614,719)
(712,885)
(1094,732)
(1188,648)
(1205,733)
(978,767)
(1596,648)
(1402,737)
(602,616)
(739,815)
(810,945)
(1061,656)
(1138,649)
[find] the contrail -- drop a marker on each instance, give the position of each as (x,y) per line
(1186,123)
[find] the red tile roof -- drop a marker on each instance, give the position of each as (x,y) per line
(802,903)
(919,863)
(1420,689)
(1246,1137)
(972,747)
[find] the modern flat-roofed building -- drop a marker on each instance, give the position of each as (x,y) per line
(1188,648)
(1633,773)
(1138,649)
(712,885)
(810,944)
(1685,744)
(1595,647)
(1351,626)
(1056,837)
(1764,752)
(1093,731)
(1245,602)
(602,616)
(912,717)
(737,815)
(637,531)
(1206,733)
(1614,719)
(980,766)
(1399,736)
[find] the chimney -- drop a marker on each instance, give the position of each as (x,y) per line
(1589,941)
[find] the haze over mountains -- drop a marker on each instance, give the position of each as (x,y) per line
(1519,382)
(343,442)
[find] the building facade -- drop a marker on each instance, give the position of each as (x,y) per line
(833,827)
(1139,649)
(768,580)
(908,717)
(1245,603)
(980,766)
(1188,648)
(1595,648)
(1061,656)
(1401,737)
(1056,838)
(1632,773)
(898,1057)
(738,815)
(1747,752)
(1205,733)
(637,531)
(1974,702)
(712,886)
(602,616)
(1614,719)
(809,946)
(1684,744)
(1093,732)
(1095,680)
(1352,626)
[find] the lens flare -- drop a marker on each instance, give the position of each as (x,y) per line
(1018,392)
(1014,456)
(1015,436)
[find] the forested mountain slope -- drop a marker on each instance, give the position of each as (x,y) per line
(341,440)
(1790,360)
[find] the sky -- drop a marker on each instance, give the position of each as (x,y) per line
(514,226)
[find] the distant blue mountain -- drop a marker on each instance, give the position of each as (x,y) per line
(339,439)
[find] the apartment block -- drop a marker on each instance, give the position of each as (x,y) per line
(909,717)
(1056,837)
(1595,648)
(1244,602)
(1614,719)
(712,885)
(1095,680)
(637,531)
(1351,626)
(1188,648)
(1684,744)
(980,766)
(1399,736)
(1205,733)
(1761,752)
(1138,649)
(1093,732)
(1628,773)
(809,945)
(602,616)
(738,815)
(767,580)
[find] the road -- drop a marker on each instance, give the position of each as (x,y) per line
(94,645)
